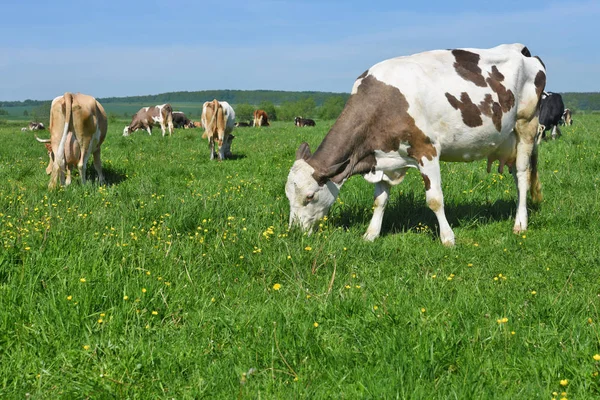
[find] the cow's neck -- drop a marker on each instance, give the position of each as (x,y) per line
(344,152)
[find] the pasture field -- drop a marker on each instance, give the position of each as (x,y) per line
(180,279)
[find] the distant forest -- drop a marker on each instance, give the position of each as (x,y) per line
(277,97)
(279,105)
(576,101)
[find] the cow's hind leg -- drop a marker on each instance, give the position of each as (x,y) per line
(98,166)
(382,194)
(524,171)
(432,178)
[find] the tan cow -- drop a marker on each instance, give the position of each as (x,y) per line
(146,117)
(77,129)
(261,118)
(218,120)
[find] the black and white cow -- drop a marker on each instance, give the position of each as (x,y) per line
(36,126)
(415,111)
(552,109)
(299,121)
(181,121)
(146,117)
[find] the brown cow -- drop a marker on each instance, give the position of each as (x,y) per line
(77,129)
(261,118)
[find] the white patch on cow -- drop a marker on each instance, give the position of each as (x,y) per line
(354,87)
(309,202)
(126,131)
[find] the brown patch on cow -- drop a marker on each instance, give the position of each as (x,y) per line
(363,75)
(525,51)
(506,98)
(426,181)
(375,118)
(467,67)
(471,114)
(540,83)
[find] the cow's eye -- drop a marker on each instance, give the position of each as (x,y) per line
(310,197)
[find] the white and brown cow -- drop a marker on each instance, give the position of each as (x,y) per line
(146,117)
(260,118)
(567,117)
(218,120)
(77,129)
(415,111)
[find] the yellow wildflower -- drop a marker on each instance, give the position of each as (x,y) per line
(276,286)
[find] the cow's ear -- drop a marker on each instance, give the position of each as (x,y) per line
(303,152)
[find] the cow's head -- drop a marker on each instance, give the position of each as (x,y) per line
(126,131)
(309,201)
(50,153)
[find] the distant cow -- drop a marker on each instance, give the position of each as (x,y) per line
(146,117)
(24,129)
(181,121)
(299,121)
(261,118)
(36,126)
(552,109)
(77,129)
(243,124)
(218,119)
(413,112)
(567,118)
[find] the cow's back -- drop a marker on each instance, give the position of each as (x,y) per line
(459,97)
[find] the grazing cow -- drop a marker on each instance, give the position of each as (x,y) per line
(147,116)
(552,109)
(24,129)
(567,118)
(243,124)
(36,126)
(415,111)
(72,155)
(261,118)
(299,121)
(181,121)
(77,129)
(218,120)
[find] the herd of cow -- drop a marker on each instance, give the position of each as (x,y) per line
(455,105)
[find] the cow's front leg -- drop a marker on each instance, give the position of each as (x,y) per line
(382,194)
(432,178)
(555,132)
(149,130)
(522,174)
(163,129)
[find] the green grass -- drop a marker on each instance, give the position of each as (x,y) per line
(180,257)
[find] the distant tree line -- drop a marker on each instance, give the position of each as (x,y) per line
(305,107)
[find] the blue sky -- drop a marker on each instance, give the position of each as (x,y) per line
(127,48)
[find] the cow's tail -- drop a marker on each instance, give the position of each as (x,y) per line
(535,188)
(63,140)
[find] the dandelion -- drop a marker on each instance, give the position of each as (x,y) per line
(433,276)
(86,346)
(276,286)
(375,307)
(502,320)
(212,300)
(564,382)
(82,280)
(148,272)
(357,286)
(316,324)
(423,310)
(102,315)
(469,265)
(512,332)
(100,320)
(308,248)
(144,290)
(125,297)
(590,321)
(347,286)
(533,292)
(289,257)
(69,297)
(154,312)
(597,357)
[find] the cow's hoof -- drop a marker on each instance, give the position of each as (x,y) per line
(448,242)
(369,237)
(518,228)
